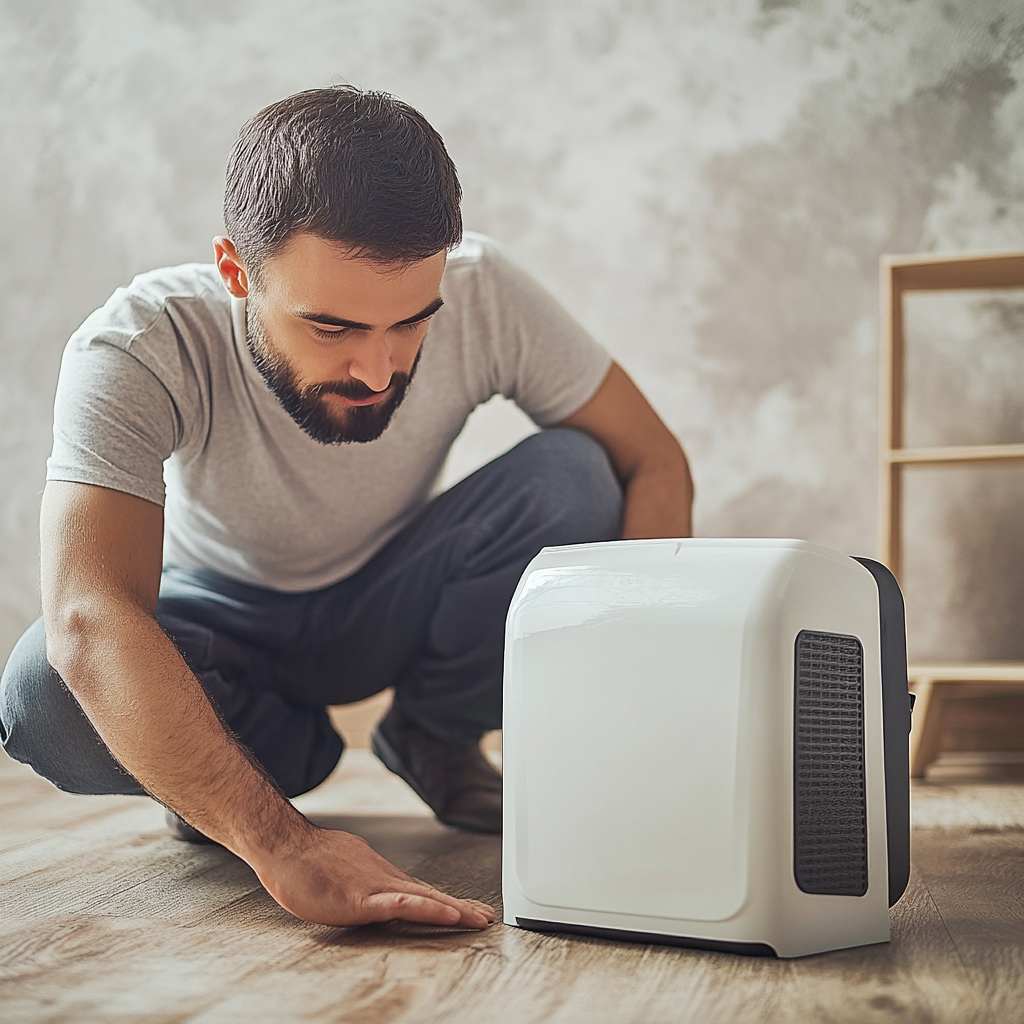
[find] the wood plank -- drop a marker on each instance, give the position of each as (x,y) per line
(953,272)
(967,671)
(954,454)
(890,483)
(111,920)
(509,975)
(897,275)
(992,721)
(926,725)
(976,877)
(892,393)
(935,685)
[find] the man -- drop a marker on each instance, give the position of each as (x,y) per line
(237,528)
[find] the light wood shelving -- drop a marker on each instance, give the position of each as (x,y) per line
(933,684)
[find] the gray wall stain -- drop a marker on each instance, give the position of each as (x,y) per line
(707,187)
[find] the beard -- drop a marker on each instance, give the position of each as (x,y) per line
(307,406)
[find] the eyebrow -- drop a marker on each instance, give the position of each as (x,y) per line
(337,321)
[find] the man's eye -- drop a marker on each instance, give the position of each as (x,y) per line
(337,332)
(413,326)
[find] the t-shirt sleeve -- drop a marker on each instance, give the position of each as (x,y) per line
(545,361)
(114,422)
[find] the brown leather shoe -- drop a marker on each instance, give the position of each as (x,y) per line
(455,781)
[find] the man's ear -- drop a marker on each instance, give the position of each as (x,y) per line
(230,266)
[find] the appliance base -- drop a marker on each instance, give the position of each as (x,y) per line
(648,938)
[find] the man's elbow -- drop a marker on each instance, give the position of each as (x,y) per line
(78,634)
(668,461)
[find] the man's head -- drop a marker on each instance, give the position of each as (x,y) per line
(340,207)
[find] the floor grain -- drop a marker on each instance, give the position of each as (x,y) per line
(107,919)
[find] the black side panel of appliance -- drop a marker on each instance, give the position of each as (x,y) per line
(620,935)
(830,832)
(896,705)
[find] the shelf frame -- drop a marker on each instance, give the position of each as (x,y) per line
(933,684)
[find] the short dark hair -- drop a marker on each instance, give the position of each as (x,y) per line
(355,167)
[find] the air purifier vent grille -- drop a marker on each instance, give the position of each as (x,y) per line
(830,806)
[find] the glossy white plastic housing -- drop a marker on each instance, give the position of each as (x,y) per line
(648,741)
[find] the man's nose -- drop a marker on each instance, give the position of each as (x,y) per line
(372,361)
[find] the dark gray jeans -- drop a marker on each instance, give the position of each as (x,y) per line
(425,615)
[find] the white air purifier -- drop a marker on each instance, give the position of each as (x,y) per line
(706,744)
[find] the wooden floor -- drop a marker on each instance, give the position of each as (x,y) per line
(105,918)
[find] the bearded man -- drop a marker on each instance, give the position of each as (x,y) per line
(239,526)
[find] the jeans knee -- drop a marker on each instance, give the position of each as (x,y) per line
(575,483)
(24,685)
(42,725)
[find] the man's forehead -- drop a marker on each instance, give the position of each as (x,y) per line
(314,275)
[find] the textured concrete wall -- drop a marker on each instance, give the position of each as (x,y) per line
(707,185)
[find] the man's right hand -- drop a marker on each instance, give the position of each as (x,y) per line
(100,576)
(337,878)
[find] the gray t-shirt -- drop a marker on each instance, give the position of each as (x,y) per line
(159,397)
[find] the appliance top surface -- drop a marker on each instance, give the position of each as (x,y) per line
(671,547)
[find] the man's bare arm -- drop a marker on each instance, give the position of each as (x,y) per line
(647,458)
(101,564)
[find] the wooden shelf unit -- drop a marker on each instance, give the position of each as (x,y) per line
(934,684)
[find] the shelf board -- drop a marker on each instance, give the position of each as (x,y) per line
(955,272)
(954,453)
(967,672)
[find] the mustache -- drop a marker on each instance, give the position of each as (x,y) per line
(354,389)
(357,390)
